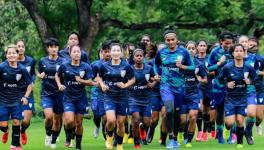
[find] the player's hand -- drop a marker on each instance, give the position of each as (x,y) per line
(121,85)
(231,84)
(247,81)
(179,64)
(157,78)
(221,60)
(24,101)
(61,87)
(104,87)
(41,75)
(78,79)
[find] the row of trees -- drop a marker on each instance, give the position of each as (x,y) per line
(97,20)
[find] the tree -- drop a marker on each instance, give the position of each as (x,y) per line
(91,18)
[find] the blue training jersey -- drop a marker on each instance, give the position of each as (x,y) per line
(237,95)
(156,89)
(74,90)
(112,74)
(49,67)
(64,53)
(139,92)
(191,82)
(11,80)
(259,82)
(252,61)
(29,64)
(96,93)
(171,75)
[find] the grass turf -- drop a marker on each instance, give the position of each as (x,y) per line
(36,135)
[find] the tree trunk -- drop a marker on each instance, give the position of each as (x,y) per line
(88,24)
(40,22)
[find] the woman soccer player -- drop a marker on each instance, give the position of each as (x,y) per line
(12,76)
(191,103)
(29,63)
(73,39)
(217,59)
(236,76)
(139,96)
(172,60)
(51,97)
(115,77)
(75,75)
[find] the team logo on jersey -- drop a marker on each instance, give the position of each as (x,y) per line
(30,105)
(28,68)
(179,58)
(123,73)
(246,75)
(81,73)
(196,70)
(147,76)
(44,66)
(18,76)
(206,64)
(252,64)
(57,67)
(4,73)
(260,100)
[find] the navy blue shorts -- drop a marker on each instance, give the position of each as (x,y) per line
(231,109)
(207,97)
(191,102)
(156,103)
(10,112)
(78,106)
(168,95)
(30,105)
(53,101)
(144,111)
(218,99)
(260,98)
(98,107)
(120,108)
(252,99)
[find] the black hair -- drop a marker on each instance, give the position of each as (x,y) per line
(253,39)
(155,49)
(71,47)
(225,35)
(138,50)
(146,35)
(78,35)
(51,42)
(168,29)
(191,42)
(233,47)
(106,45)
(116,44)
(20,40)
(201,40)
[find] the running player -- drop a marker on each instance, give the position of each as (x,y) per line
(172,60)
(28,109)
(139,99)
(51,97)
(115,77)
(236,76)
(96,93)
(12,76)
(217,58)
(75,75)
(254,49)
(73,39)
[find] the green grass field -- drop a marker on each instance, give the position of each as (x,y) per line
(37,134)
